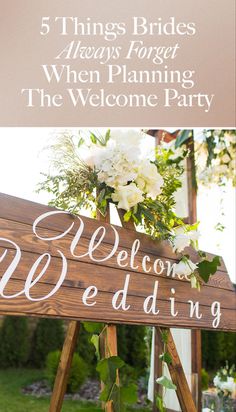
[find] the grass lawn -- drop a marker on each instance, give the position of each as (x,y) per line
(12,399)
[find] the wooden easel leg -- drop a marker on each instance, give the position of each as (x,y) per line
(197,365)
(64,367)
(178,377)
(108,345)
(157,367)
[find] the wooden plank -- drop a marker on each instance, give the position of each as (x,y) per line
(158,369)
(82,275)
(108,348)
(23,236)
(68,305)
(19,210)
(178,377)
(63,371)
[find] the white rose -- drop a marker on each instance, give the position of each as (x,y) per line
(185,267)
(129,137)
(127,196)
(149,180)
(180,242)
(228,385)
(217,382)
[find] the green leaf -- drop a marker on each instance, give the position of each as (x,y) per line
(164,336)
(95,341)
(107,135)
(127,215)
(129,394)
(160,404)
(148,215)
(107,368)
(93,327)
(118,405)
(207,268)
(165,357)
(182,137)
(101,195)
(93,138)
(80,142)
(166,383)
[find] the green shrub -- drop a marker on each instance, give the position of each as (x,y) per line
(14,342)
(78,371)
(132,348)
(86,351)
(205,380)
(48,336)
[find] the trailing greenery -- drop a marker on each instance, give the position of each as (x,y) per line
(14,342)
(108,369)
(48,336)
(165,382)
(77,375)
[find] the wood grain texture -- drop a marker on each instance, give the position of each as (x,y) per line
(63,371)
(16,218)
(178,377)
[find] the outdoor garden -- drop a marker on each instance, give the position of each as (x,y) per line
(29,357)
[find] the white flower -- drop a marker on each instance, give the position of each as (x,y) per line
(180,242)
(228,385)
(127,196)
(225,158)
(185,268)
(116,163)
(170,146)
(194,235)
(149,180)
(217,381)
(130,137)
(225,386)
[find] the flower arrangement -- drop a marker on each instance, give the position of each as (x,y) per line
(219,148)
(92,171)
(215,154)
(225,383)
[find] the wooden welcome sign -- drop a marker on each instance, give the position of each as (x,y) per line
(53,264)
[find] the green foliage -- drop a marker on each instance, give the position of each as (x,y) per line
(48,336)
(75,185)
(204,380)
(182,138)
(216,348)
(14,342)
(77,375)
(120,396)
(207,268)
(166,383)
(160,404)
(132,347)
(86,348)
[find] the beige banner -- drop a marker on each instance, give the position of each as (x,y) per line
(107,63)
